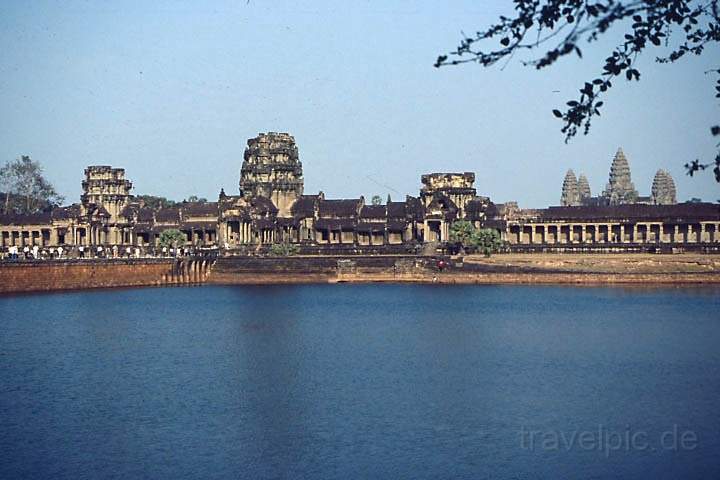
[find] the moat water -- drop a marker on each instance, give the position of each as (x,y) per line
(361,381)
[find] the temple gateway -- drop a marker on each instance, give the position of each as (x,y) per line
(272,207)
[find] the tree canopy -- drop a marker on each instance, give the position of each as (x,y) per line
(559,27)
(172,238)
(25,189)
(154,202)
(485,240)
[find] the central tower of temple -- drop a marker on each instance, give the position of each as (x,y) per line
(620,189)
(271,168)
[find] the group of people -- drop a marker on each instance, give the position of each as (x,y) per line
(35,252)
(14,253)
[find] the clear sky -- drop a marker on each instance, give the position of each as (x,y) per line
(171,91)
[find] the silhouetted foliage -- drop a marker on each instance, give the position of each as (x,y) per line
(156,203)
(562,25)
(376,200)
(195,198)
(25,189)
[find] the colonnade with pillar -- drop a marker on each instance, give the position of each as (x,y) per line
(49,236)
(550,233)
(238,232)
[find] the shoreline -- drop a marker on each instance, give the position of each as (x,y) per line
(507,269)
(690,279)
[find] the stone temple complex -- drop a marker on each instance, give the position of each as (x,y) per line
(271,207)
(620,189)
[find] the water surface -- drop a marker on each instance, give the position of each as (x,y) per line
(361,381)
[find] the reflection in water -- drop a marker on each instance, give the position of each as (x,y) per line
(361,381)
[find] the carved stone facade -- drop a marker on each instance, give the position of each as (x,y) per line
(584,193)
(620,189)
(570,195)
(272,208)
(663,189)
(271,168)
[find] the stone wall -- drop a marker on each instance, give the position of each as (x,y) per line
(312,269)
(29,276)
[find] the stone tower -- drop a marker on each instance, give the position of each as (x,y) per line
(663,189)
(106,187)
(620,188)
(271,168)
(583,189)
(458,187)
(570,195)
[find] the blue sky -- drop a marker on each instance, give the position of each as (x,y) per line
(171,91)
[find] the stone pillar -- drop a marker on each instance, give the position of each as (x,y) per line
(635,233)
(582,233)
(622,233)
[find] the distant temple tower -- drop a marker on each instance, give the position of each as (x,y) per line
(272,169)
(570,196)
(106,187)
(458,187)
(584,193)
(620,188)
(663,189)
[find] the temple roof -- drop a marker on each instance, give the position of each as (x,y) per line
(396,209)
(414,207)
(263,205)
(678,212)
(397,225)
(340,208)
(373,211)
(346,224)
(199,208)
(66,213)
(168,215)
(304,206)
(42,218)
(371,227)
(479,208)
